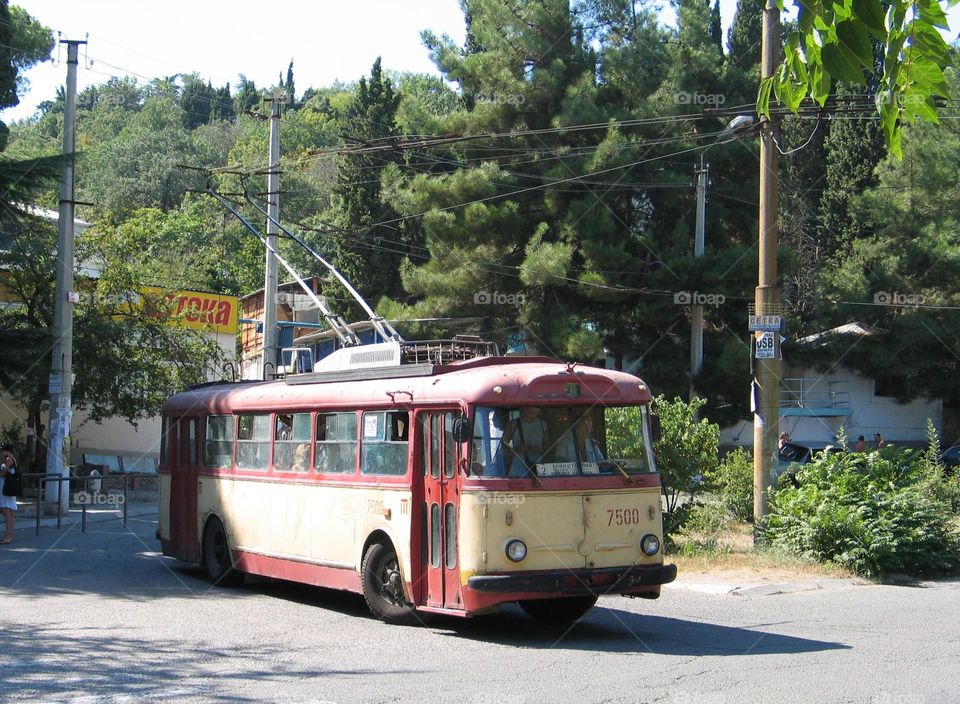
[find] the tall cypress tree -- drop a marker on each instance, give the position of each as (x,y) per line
(367,254)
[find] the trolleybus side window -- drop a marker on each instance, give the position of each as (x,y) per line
(291,447)
(192,443)
(164,424)
(218,442)
(449,446)
(383,445)
(253,441)
(336,446)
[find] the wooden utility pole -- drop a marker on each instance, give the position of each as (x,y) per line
(766,384)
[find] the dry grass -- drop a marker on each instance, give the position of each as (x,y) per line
(734,558)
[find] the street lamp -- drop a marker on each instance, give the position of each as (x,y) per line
(735,129)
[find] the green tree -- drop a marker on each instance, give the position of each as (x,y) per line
(126,358)
(835,41)
(23,43)
(368,253)
(196,101)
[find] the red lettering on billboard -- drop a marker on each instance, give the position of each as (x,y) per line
(223,313)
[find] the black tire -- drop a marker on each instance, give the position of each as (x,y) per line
(217,558)
(383,586)
(563,610)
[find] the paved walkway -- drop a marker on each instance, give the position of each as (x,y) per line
(26,515)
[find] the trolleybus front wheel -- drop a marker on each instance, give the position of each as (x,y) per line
(217,560)
(562,610)
(383,586)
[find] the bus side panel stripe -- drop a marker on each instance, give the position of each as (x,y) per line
(306,573)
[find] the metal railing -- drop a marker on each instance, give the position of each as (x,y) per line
(811,392)
(43,479)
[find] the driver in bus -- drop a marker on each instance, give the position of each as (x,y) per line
(526,437)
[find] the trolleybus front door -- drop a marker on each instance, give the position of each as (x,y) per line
(441,496)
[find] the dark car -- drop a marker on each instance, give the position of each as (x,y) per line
(793,453)
(950,458)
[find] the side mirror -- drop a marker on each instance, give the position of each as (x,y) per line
(655,427)
(462,429)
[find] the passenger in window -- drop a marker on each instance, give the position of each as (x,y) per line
(526,437)
(301,458)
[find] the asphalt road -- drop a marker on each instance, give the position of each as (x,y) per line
(102,617)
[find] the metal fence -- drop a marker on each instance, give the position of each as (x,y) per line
(42,480)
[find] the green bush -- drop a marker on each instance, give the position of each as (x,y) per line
(686,451)
(875,514)
(733,482)
(701,529)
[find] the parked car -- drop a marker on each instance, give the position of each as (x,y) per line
(950,458)
(793,453)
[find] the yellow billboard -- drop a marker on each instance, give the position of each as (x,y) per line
(210,312)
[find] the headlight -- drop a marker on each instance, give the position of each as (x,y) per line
(517,550)
(649,544)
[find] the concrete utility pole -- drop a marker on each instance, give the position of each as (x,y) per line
(270,347)
(696,327)
(61,368)
(766,391)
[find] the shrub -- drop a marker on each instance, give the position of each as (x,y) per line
(686,451)
(701,529)
(875,514)
(733,482)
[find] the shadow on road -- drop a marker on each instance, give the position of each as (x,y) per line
(614,630)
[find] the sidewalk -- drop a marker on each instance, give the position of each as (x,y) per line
(26,515)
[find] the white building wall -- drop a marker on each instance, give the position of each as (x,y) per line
(869,414)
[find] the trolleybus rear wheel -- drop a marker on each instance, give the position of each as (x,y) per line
(217,560)
(563,610)
(383,586)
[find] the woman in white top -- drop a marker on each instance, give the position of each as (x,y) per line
(8,504)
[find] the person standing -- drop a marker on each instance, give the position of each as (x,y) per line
(879,441)
(861,445)
(8,504)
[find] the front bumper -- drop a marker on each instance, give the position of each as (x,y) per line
(596,582)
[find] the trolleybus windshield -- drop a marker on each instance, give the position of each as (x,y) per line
(553,441)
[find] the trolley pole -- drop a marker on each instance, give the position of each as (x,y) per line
(696,325)
(270,347)
(61,367)
(766,419)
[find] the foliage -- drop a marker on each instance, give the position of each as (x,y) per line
(835,40)
(733,481)
(127,358)
(700,530)
(23,43)
(687,449)
(875,514)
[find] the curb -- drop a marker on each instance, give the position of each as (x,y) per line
(761,588)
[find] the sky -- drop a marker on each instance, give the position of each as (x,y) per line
(221,40)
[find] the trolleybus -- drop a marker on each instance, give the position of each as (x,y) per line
(426,486)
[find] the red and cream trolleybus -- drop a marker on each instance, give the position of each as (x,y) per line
(428,486)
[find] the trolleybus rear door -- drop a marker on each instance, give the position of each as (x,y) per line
(185,489)
(441,496)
